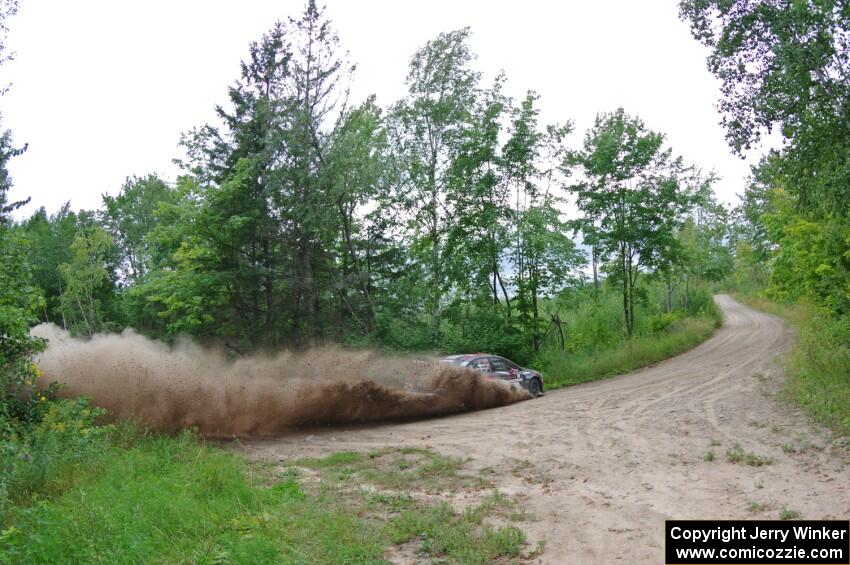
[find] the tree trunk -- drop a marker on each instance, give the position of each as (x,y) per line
(505,292)
(435,284)
(61,309)
(633,275)
(313,330)
(268,283)
(363,282)
(556,320)
(83,314)
(535,317)
(495,288)
(626,290)
(669,295)
(595,261)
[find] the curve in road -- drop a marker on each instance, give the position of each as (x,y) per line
(613,459)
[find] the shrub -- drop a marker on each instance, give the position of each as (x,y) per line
(660,322)
(45,459)
(19,300)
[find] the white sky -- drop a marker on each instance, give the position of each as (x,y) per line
(101,90)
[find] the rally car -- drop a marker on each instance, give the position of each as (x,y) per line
(500,368)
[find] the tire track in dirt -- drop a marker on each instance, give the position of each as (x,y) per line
(623,454)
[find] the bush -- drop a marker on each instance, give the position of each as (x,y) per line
(19,300)
(45,460)
(660,322)
(21,403)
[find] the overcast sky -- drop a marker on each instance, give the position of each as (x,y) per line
(101,90)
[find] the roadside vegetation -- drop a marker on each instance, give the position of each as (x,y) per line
(116,494)
(433,224)
(596,348)
(436,223)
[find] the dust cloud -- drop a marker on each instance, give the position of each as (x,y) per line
(169,388)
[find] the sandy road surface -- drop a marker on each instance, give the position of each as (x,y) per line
(610,460)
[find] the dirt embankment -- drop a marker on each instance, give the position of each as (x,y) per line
(169,388)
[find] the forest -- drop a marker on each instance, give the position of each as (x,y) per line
(439,223)
(453,220)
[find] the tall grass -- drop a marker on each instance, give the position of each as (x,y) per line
(564,369)
(596,346)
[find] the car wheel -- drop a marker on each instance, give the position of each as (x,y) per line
(534,387)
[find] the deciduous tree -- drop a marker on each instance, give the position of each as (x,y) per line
(633,195)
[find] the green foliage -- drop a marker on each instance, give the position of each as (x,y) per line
(737,454)
(158,499)
(87,278)
(427,128)
(399,333)
(50,240)
(790,254)
(564,369)
(544,258)
(45,459)
(596,344)
(634,198)
(663,321)
(819,370)
(7,152)
(20,299)
(784,67)
(471,327)
(812,258)
(444,533)
(289,171)
(478,235)
(131,218)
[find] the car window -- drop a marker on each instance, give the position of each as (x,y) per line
(499,365)
(509,363)
(481,363)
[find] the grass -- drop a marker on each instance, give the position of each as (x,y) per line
(176,500)
(404,469)
(787,514)
(818,366)
(738,454)
(564,369)
(756,507)
(437,530)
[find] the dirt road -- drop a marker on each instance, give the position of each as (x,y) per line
(601,466)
